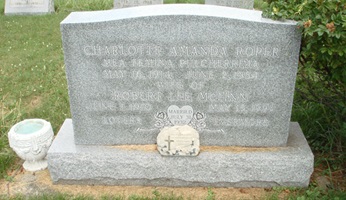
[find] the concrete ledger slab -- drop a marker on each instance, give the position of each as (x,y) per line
(215,166)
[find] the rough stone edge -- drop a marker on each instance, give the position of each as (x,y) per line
(64,156)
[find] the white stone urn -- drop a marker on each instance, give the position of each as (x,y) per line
(31,139)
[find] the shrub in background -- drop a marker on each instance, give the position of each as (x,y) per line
(320,102)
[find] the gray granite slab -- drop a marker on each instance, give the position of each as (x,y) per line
(110,165)
(246,4)
(132,3)
(232,68)
(19,7)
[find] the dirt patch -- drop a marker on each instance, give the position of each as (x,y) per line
(28,183)
(325,179)
(236,149)
(137,147)
(34,102)
(233,149)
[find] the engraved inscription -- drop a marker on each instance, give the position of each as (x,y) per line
(143,96)
(255,108)
(170,85)
(121,120)
(222,96)
(20,3)
(219,64)
(135,107)
(201,51)
(240,75)
(202,75)
(179,96)
(257,51)
(239,122)
(114,74)
(102,105)
(152,75)
(152,63)
(123,50)
(180,116)
(219,108)
(114,63)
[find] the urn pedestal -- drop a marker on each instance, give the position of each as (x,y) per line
(31,139)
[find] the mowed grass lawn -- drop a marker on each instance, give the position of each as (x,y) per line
(33,82)
(32,74)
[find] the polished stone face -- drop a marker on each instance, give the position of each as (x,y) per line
(226,72)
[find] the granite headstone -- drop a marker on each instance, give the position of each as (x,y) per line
(246,4)
(231,74)
(132,3)
(19,7)
(226,73)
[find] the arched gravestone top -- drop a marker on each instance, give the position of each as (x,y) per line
(131,71)
(170,9)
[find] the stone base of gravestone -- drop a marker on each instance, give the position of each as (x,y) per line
(22,7)
(215,166)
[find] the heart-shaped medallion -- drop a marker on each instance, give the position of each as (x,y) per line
(180,116)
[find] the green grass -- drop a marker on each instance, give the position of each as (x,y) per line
(33,85)
(311,193)
(260,4)
(60,196)
(82,5)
